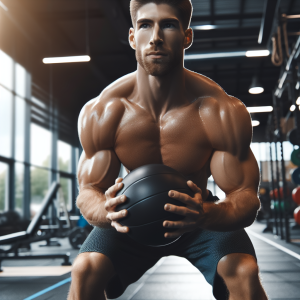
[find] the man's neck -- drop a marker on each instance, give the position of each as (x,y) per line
(158,94)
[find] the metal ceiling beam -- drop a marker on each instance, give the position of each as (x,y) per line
(242,6)
(70,15)
(291,5)
(236,33)
(212,11)
(207,18)
(268,21)
(114,13)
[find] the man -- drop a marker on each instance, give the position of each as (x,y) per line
(164,113)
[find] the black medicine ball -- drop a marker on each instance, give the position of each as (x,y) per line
(146,189)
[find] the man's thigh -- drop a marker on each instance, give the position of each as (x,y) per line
(204,249)
(129,258)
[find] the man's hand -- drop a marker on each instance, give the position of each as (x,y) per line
(110,205)
(193,211)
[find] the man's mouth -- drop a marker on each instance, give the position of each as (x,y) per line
(156,54)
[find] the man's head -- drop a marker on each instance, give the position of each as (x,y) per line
(160,33)
(184,8)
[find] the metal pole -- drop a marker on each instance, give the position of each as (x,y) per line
(276,136)
(284,185)
(274,212)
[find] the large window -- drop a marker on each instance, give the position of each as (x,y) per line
(3,186)
(40,146)
(64,156)
(19,129)
(6,73)
(35,144)
(5,121)
(262,153)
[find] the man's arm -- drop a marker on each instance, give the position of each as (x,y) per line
(99,165)
(95,176)
(234,169)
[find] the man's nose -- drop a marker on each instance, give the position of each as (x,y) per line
(156,38)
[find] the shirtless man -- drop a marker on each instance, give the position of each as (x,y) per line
(164,113)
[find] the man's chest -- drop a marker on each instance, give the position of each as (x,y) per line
(177,139)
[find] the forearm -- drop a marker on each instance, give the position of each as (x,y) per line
(238,210)
(91,204)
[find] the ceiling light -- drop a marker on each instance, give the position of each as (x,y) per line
(257,53)
(3,6)
(214,55)
(256,90)
(298,101)
(204,27)
(259,109)
(227,54)
(293,107)
(66,59)
(255,86)
(255,123)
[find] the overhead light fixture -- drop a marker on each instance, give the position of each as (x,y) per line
(3,6)
(66,59)
(257,53)
(298,101)
(255,123)
(259,109)
(255,86)
(214,55)
(200,56)
(293,107)
(204,27)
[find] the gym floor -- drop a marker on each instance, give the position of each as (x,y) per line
(171,278)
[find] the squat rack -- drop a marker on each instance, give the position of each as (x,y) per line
(289,76)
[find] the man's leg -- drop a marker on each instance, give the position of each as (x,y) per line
(240,274)
(90,274)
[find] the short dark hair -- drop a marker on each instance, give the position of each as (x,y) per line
(184,7)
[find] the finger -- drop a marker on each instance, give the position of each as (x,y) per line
(184,198)
(119,228)
(115,216)
(112,191)
(180,210)
(111,203)
(118,180)
(194,187)
(179,224)
(175,234)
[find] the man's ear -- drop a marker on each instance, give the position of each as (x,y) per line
(131,38)
(188,40)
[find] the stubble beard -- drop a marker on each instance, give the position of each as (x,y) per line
(157,67)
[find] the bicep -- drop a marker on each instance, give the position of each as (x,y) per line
(99,171)
(231,173)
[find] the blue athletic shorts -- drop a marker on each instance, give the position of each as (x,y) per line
(203,248)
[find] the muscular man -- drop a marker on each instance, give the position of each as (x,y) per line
(164,113)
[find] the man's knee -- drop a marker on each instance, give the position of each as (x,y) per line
(242,268)
(92,266)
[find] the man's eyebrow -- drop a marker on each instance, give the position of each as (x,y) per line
(143,20)
(151,21)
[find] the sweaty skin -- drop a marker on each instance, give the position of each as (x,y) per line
(166,114)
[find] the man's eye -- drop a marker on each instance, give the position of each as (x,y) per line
(144,26)
(169,25)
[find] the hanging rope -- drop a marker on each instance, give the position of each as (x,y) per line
(285,37)
(87,40)
(276,57)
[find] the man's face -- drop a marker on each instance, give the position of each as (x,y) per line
(158,38)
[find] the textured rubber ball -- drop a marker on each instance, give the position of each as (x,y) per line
(146,189)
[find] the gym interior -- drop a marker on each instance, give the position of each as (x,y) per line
(56,55)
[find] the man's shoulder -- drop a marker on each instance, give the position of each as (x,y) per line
(111,98)
(225,118)
(103,114)
(211,97)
